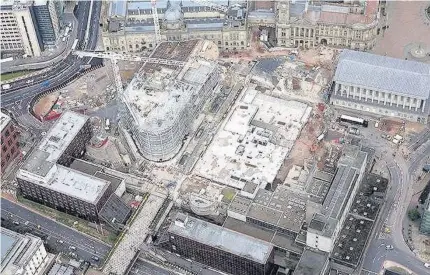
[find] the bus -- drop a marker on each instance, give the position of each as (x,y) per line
(354,120)
(75,43)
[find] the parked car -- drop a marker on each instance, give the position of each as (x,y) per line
(60,241)
(72,248)
(95,258)
(427,265)
(389,247)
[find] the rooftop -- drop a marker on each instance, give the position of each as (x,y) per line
(370,196)
(348,171)
(4,120)
(221,238)
(61,134)
(115,211)
(401,77)
(41,166)
(253,142)
(351,240)
(311,263)
(16,250)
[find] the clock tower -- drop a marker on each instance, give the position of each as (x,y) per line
(283,22)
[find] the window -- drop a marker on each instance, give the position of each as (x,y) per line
(7,157)
(4,148)
(7,133)
(9,142)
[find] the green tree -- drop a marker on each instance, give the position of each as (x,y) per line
(413,214)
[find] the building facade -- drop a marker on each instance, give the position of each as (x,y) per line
(345,25)
(161,105)
(220,248)
(179,21)
(289,24)
(47,24)
(19,31)
(22,254)
(9,142)
(46,178)
(402,92)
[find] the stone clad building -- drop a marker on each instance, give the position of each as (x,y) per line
(129,26)
(382,85)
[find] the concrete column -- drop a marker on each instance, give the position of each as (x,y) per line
(294,31)
(398,100)
(424,105)
(417,105)
(347,92)
(385,98)
(404,102)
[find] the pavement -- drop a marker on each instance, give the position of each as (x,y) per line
(393,214)
(44,61)
(53,233)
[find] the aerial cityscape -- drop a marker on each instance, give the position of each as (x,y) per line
(213,137)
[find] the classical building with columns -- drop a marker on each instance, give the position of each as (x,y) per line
(382,85)
(350,24)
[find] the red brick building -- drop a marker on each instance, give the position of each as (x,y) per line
(9,142)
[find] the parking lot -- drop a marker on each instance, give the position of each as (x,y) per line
(57,237)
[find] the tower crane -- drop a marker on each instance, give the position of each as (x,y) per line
(129,57)
(156,22)
(114,57)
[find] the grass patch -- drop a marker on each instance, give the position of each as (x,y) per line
(70,221)
(13,75)
(228,194)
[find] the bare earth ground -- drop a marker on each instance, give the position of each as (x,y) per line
(407,24)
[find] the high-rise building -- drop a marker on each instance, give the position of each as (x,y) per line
(9,141)
(22,254)
(47,23)
(18,31)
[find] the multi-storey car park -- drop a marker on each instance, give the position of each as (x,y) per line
(48,176)
(162,101)
(382,85)
(230,25)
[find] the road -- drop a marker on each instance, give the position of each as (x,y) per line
(397,201)
(17,101)
(86,246)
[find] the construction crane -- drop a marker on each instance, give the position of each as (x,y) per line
(156,22)
(212,5)
(129,57)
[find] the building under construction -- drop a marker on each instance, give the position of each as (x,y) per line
(162,101)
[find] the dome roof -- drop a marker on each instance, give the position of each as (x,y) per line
(173,13)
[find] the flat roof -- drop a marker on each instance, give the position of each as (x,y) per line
(246,148)
(4,120)
(76,184)
(403,77)
(347,173)
(115,210)
(311,263)
(7,241)
(17,250)
(118,8)
(221,238)
(282,208)
(370,196)
(41,166)
(61,134)
(351,240)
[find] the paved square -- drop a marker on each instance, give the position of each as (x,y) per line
(408,27)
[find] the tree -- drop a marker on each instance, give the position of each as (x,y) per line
(413,214)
